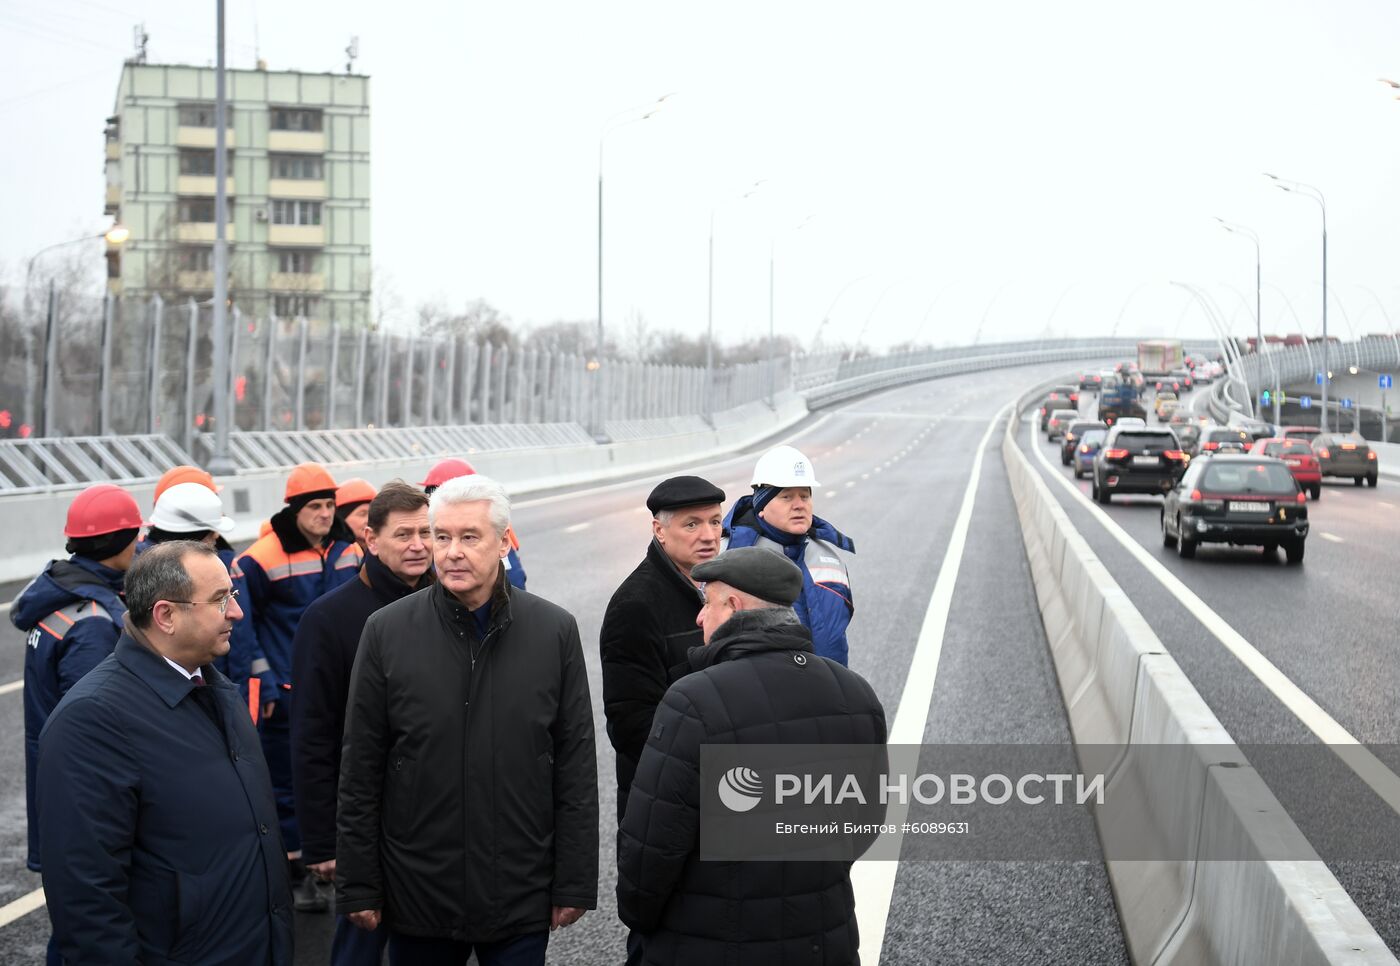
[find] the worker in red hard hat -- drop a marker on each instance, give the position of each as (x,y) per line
(309,552)
(73,613)
(352,499)
(451,468)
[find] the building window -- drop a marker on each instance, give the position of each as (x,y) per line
(294,119)
(296,263)
(298,167)
(202,162)
(296,212)
(202,115)
(294,306)
(201,210)
(196,259)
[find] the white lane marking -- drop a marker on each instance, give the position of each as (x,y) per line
(830,493)
(575,528)
(5,608)
(872,881)
(850,483)
(22,906)
(1370,769)
(1330,536)
(12,686)
(1388,506)
(865,476)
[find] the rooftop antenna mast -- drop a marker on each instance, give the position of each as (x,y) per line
(139,39)
(352,52)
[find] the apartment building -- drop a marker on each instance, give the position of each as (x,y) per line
(298,189)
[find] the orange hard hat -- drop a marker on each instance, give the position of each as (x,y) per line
(102,508)
(184,474)
(448,469)
(308,478)
(354,490)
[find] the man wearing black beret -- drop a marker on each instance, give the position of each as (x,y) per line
(756,681)
(650,621)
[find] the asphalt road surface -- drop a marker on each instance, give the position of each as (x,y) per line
(894,470)
(1327,626)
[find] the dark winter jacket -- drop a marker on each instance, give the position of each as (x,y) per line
(826,605)
(469,782)
(756,682)
(647,630)
(284,575)
(322,655)
(73,613)
(164,822)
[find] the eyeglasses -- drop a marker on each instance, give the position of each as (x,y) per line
(222,603)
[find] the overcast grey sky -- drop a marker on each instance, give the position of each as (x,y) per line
(963,165)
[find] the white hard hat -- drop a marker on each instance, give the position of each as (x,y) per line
(783,466)
(190,508)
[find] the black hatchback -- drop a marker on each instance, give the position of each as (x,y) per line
(1241,500)
(1137,460)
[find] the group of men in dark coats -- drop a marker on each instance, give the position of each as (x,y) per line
(445,763)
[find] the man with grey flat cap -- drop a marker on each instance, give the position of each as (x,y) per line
(756,680)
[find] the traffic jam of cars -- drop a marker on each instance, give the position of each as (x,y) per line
(1247,484)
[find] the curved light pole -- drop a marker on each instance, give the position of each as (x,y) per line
(977,336)
(860,336)
(1113,333)
(1395,337)
(1258,315)
(710,307)
(595,364)
(826,316)
(1308,191)
(1212,314)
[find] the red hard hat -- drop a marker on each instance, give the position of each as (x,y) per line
(354,490)
(184,474)
(308,478)
(448,469)
(102,508)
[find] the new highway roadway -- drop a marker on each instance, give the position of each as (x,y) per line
(948,633)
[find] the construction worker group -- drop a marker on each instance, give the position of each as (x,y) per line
(353,624)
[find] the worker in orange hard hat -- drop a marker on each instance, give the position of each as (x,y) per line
(73,613)
(451,468)
(184,473)
(309,552)
(352,499)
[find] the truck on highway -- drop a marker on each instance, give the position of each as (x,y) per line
(1119,400)
(1157,357)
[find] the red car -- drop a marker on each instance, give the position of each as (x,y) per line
(1300,459)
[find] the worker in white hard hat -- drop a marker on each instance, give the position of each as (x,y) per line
(779,516)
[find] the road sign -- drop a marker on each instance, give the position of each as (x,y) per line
(1386,381)
(1305,402)
(1346,403)
(1319,378)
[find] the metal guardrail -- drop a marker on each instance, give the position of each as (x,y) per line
(37,465)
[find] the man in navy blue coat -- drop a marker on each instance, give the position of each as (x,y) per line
(154,792)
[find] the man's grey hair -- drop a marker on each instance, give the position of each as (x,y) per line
(664,517)
(160,574)
(473,489)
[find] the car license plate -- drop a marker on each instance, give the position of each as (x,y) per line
(1145,461)
(1348,446)
(1294,462)
(1248,506)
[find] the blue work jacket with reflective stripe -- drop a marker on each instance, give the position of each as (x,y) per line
(826,605)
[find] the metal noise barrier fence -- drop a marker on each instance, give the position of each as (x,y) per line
(1122,688)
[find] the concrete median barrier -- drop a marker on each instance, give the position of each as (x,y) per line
(1124,694)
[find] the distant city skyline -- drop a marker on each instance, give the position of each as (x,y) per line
(994,171)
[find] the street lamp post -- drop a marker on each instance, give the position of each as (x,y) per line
(1308,191)
(595,365)
(1258,316)
(220,463)
(772,331)
(115,236)
(710,310)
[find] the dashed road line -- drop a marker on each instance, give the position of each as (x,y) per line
(22,906)
(872,881)
(1330,536)
(12,686)
(576,527)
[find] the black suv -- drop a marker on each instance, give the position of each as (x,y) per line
(1137,460)
(1241,500)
